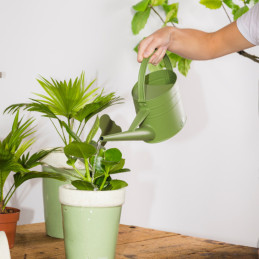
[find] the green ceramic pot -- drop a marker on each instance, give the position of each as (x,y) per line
(91,222)
(52,207)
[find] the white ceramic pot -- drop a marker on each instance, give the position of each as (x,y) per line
(4,247)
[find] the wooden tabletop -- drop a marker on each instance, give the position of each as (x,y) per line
(133,242)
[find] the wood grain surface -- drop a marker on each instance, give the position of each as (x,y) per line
(133,242)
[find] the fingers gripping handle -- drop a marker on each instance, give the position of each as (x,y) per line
(142,74)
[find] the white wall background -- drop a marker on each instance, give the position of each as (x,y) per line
(203,182)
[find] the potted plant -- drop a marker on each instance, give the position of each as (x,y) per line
(13,159)
(91,204)
(69,105)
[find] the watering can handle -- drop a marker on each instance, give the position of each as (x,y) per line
(142,74)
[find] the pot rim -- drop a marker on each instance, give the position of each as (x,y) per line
(10,217)
(15,211)
(60,160)
(69,195)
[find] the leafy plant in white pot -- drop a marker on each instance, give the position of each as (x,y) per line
(91,204)
(69,105)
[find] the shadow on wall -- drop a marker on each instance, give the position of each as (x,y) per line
(194,105)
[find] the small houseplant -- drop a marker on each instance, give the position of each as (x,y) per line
(69,105)
(91,204)
(13,159)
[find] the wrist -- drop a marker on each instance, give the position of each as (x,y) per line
(172,31)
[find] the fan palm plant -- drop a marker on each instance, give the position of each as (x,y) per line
(70,103)
(14,159)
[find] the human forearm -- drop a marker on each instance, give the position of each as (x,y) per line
(192,44)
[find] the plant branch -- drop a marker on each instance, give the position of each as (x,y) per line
(224,8)
(69,125)
(250,56)
(58,132)
(10,196)
(88,177)
(78,171)
(65,140)
(104,180)
(9,191)
(79,127)
(82,130)
(242,52)
(157,14)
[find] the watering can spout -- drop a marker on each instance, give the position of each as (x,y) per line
(144,134)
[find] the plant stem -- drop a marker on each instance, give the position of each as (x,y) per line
(10,196)
(2,186)
(82,129)
(88,177)
(9,191)
(1,206)
(73,165)
(224,8)
(69,137)
(104,180)
(250,56)
(64,135)
(78,127)
(160,17)
(57,131)
(242,52)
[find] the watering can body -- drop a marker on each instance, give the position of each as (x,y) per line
(158,106)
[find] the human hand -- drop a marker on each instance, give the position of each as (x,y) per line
(160,40)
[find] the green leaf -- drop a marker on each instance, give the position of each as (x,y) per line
(20,178)
(171,15)
(12,166)
(157,2)
(153,68)
(100,103)
(211,4)
(79,150)
(115,185)
(124,170)
(66,97)
(69,131)
(229,3)
(68,174)
(240,12)
(113,155)
(29,161)
(93,130)
(184,66)
(136,48)
(118,166)
(139,21)
(174,58)
(82,185)
(108,126)
(98,181)
(141,6)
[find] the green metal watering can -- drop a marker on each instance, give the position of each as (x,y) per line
(158,105)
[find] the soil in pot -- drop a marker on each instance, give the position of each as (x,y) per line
(8,222)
